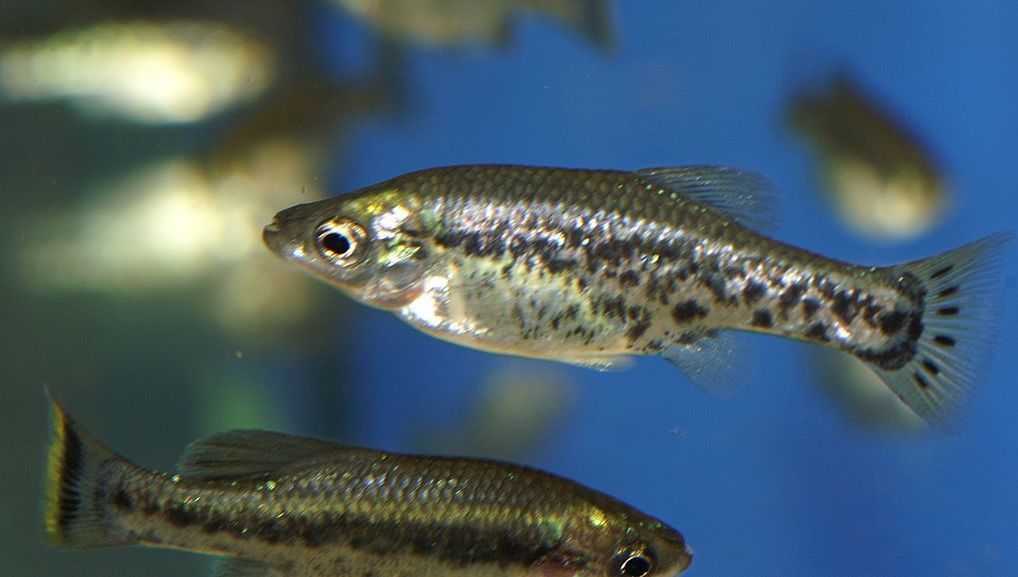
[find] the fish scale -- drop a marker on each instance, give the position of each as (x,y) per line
(287,506)
(593,266)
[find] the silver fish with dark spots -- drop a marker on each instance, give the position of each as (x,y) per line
(283,506)
(592,266)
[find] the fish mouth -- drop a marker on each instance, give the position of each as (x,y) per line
(684,561)
(273,237)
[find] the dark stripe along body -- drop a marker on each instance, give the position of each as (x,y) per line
(313,508)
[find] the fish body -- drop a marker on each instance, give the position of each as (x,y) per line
(279,506)
(883,181)
(593,266)
(457,22)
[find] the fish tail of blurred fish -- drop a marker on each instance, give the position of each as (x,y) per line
(958,327)
(591,18)
(76,462)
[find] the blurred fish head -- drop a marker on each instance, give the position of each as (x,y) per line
(370,245)
(642,547)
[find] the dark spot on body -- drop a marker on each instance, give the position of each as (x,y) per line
(790,296)
(122,499)
(809,307)
(931,367)
(687,311)
(655,345)
(941,271)
(845,307)
(752,293)
(948,311)
(180,516)
(715,283)
(629,279)
(636,331)
(817,331)
(557,265)
(890,323)
(762,319)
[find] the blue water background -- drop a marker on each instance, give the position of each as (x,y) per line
(775,480)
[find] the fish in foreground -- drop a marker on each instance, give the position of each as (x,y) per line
(278,505)
(883,182)
(592,266)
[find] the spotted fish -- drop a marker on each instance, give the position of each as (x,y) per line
(593,266)
(282,506)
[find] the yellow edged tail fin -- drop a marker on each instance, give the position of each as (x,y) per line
(77,463)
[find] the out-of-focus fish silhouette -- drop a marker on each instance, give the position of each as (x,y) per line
(512,413)
(457,22)
(883,182)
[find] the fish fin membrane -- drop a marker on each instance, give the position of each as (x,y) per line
(603,364)
(745,197)
(243,568)
(249,453)
(717,362)
(74,513)
(962,308)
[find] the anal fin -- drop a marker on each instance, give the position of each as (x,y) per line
(716,362)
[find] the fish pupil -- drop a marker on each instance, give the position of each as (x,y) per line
(336,243)
(636,566)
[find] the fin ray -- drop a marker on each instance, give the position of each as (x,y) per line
(717,362)
(746,197)
(959,326)
(76,462)
(247,453)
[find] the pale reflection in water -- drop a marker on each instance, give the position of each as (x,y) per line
(172,72)
(175,224)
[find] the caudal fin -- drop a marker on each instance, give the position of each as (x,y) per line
(75,514)
(959,324)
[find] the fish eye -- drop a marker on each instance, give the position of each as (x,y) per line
(634,563)
(338,240)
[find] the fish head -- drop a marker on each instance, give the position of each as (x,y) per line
(622,547)
(650,549)
(369,244)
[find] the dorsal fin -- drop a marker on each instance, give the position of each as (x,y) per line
(746,197)
(248,453)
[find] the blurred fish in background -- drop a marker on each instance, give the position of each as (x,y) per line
(515,410)
(885,185)
(862,395)
(166,134)
(146,72)
(451,23)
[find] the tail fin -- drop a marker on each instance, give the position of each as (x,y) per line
(596,23)
(74,513)
(959,324)
(590,18)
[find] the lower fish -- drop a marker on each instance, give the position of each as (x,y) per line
(591,267)
(284,506)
